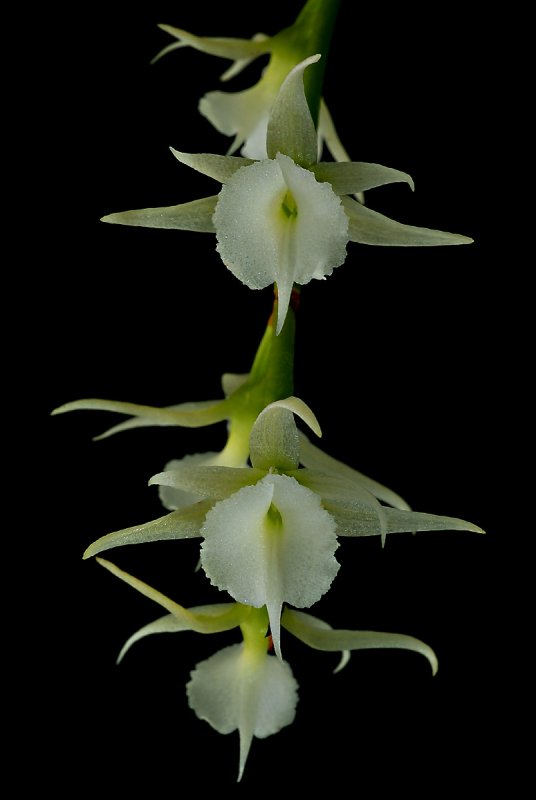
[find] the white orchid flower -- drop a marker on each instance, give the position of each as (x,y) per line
(287,219)
(244,115)
(270,530)
(243,687)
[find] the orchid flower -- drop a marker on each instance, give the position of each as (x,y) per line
(270,530)
(244,115)
(243,687)
(246,395)
(287,219)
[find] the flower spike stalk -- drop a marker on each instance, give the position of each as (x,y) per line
(269,508)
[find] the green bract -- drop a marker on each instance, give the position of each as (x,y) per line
(287,219)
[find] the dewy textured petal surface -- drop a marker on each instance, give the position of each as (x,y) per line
(370,227)
(271,543)
(193,216)
(275,223)
(231,690)
(291,129)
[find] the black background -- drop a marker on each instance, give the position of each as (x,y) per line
(401,353)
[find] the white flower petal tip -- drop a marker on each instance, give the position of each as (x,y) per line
(269,544)
(276,224)
(234,689)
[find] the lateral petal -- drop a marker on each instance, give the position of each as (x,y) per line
(358,176)
(202,619)
(185,523)
(316,459)
(298,624)
(216,483)
(224,47)
(370,227)
(194,216)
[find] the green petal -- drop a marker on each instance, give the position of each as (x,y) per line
(214,482)
(173,498)
(168,49)
(298,624)
(241,63)
(224,47)
(223,618)
(167,624)
(369,227)
(274,440)
(188,415)
(185,523)
(341,497)
(194,216)
(319,624)
(328,133)
(358,176)
(221,168)
(222,614)
(313,457)
(361,522)
(291,129)
(410,521)
(336,488)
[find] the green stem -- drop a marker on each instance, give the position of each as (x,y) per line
(254,630)
(271,378)
(311,33)
(273,367)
